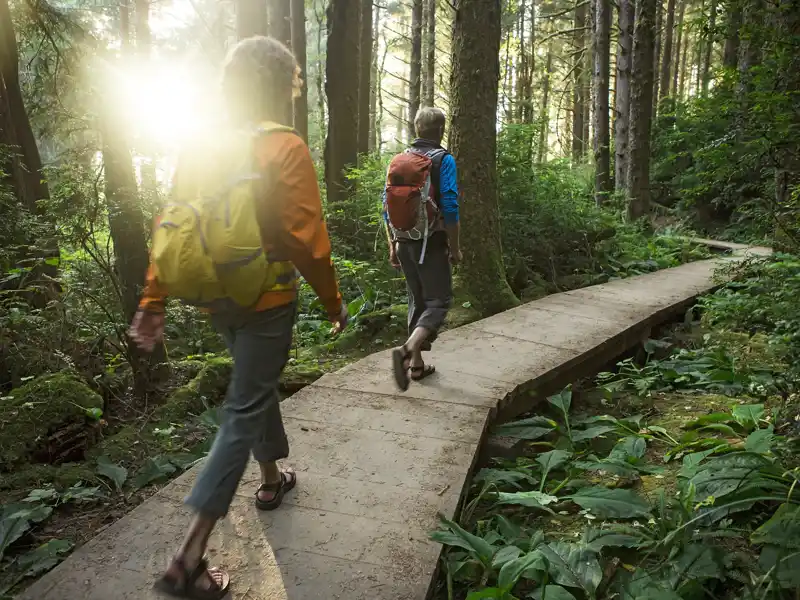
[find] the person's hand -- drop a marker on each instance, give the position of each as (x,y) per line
(147,329)
(456,257)
(340,322)
(393,260)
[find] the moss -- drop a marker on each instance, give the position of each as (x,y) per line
(36,476)
(37,409)
(136,441)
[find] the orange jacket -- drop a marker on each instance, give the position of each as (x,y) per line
(292,225)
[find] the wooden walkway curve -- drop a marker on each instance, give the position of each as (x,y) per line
(375,467)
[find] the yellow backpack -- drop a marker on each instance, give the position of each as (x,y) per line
(207,248)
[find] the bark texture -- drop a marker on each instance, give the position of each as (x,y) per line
(429,84)
(623,95)
(251,18)
(473,94)
(666,61)
(580,93)
(280,21)
(732,24)
(708,48)
(341,85)
(300,54)
(364,78)
(602,68)
(415,73)
(641,111)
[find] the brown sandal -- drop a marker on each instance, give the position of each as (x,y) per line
(420,373)
(279,490)
(186,585)
(399,358)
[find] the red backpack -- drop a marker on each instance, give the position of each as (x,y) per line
(410,196)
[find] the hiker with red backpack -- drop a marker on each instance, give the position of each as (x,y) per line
(422,227)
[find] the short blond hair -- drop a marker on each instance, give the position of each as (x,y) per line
(429,122)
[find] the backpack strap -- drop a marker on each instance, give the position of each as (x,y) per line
(436,155)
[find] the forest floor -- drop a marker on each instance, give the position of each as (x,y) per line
(667,476)
(98,464)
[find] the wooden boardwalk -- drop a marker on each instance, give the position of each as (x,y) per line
(375,467)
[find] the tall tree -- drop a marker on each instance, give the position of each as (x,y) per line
(623,95)
(251,18)
(415,67)
(602,143)
(642,77)
(374,90)
(429,67)
(749,46)
(341,85)
(300,54)
(364,83)
(709,47)
(143,36)
(579,94)
(473,96)
(280,20)
(679,44)
(544,116)
(657,52)
(682,82)
(733,21)
(666,61)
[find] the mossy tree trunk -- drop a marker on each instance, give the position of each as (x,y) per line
(429,84)
(708,49)
(579,97)
(473,97)
(364,83)
(666,61)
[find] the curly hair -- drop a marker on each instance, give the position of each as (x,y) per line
(260,77)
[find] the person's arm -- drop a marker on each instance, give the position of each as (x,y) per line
(449,202)
(303,235)
(154,297)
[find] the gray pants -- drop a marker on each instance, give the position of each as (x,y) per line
(251,416)
(430,284)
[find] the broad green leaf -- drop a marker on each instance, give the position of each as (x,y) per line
(630,446)
(591,433)
(505,554)
(782,529)
(705,420)
(784,563)
(510,477)
(722,428)
(488,594)
(562,401)
(597,419)
(696,562)
(760,441)
(643,587)
(691,463)
(461,538)
(657,429)
(551,592)
(573,566)
(597,539)
(611,503)
(43,558)
(115,473)
(153,470)
(531,499)
(718,483)
(513,570)
(748,415)
(509,530)
(552,460)
(16,519)
(41,495)
(746,460)
(532,428)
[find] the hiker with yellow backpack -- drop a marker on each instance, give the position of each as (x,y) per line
(244,216)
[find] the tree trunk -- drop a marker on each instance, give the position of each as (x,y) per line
(679,43)
(623,95)
(579,91)
(251,18)
(530,67)
(709,46)
(299,50)
(698,53)
(341,84)
(416,66)
(364,85)
(666,61)
(749,47)
(374,132)
(429,85)
(544,117)
(320,75)
(602,67)
(684,61)
(473,94)
(657,52)
(732,25)
(642,77)
(280,21)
